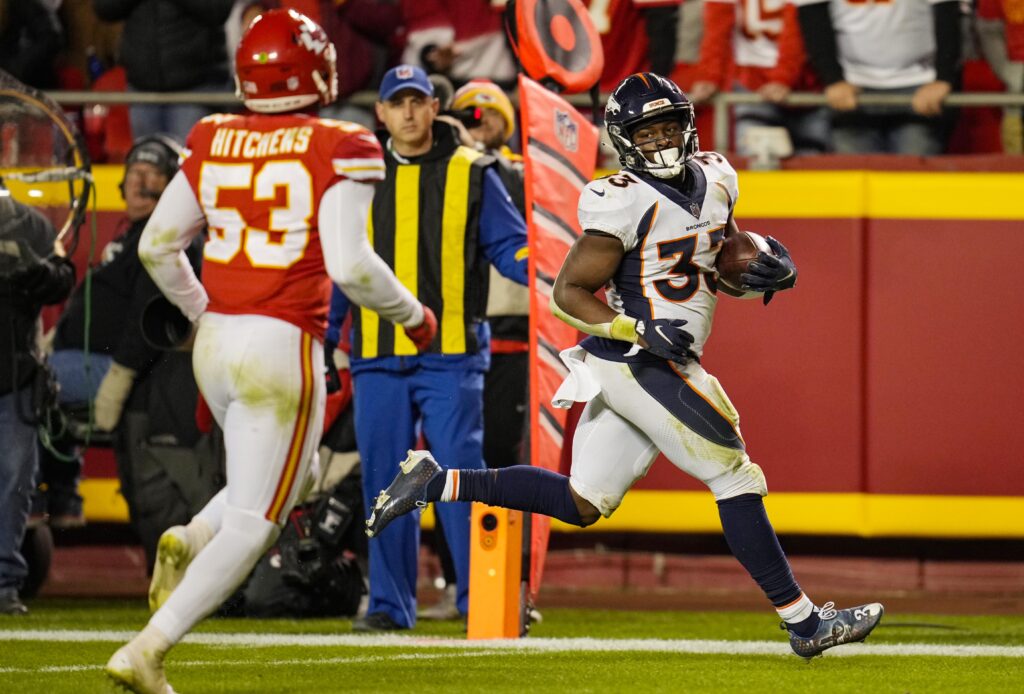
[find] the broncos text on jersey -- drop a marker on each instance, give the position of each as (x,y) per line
(671,238)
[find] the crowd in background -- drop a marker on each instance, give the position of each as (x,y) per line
(923,48)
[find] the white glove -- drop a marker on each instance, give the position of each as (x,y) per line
(111,396)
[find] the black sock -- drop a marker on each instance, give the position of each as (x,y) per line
(520,487)
(753,542)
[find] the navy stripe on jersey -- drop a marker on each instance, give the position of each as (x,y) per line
(667,387)
(691,197)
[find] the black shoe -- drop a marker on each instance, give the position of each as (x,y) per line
(405,493)
(837,627)
(378,621)
(10,604)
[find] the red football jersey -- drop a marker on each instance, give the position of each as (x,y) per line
(259,180)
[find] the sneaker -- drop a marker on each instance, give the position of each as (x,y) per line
(11,604)
(405,492)
(138,670)
(444,610)
(837,627)
(376,622)
(173,555)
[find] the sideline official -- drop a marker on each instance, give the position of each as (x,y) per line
(439,219)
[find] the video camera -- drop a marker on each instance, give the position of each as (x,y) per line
(469,117)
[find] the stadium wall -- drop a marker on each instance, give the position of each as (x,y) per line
(882,397)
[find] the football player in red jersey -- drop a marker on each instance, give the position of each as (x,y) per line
(284,196)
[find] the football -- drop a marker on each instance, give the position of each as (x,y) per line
(736,253)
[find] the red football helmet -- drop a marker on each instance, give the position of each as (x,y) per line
(284,62)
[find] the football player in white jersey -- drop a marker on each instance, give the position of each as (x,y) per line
(652,233)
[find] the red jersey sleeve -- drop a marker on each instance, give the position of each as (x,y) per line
(357,156)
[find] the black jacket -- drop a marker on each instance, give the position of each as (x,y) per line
(121,288)
(28,280)
(171,45)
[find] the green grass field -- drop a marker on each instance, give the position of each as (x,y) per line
(62,646)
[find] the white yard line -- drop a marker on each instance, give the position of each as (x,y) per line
(249,663)
(527,645)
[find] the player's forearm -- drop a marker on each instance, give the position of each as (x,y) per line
(170,229)
(351,261)
(582,310)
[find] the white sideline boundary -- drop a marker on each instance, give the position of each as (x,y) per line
(523,646)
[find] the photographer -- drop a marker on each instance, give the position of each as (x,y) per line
(117,355)
(29,279)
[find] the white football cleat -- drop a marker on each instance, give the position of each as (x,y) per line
(138,670)
(173,555)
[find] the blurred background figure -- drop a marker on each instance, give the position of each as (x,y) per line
(171,46)
(28,280)
(752,46)
(460,39)
(98,349)
(900,47)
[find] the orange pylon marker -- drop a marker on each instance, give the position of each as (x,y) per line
(495,573)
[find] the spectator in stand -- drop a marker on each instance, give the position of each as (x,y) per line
(461,39)
(30,36)
(1000,26)
(117,353)
(767,52)
(907,47)
(171,46)
(28,280)
(636,35)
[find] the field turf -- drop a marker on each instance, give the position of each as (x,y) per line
(62,646)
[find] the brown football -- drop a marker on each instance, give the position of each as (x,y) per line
(736,253)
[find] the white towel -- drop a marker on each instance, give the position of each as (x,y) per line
(580,385)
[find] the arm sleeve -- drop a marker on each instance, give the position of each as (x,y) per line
(339,309)
(946,16)
(502,230)
(820,41)
(177,220)
(352,263)
(716,43)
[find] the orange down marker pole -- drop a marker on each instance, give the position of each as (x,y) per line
(495,573)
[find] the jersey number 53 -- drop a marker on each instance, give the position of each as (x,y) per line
(284,242)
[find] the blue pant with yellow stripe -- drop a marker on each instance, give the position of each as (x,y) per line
(448,403)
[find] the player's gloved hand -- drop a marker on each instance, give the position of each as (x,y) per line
(770,273)
(666,338)
(423,334)
(111,396)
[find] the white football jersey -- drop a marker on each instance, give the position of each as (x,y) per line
(671,239)
(884,45)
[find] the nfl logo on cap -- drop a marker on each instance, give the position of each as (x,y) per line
(404,72)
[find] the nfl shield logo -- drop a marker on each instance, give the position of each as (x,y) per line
(566,131)
(404,72)
(695,209)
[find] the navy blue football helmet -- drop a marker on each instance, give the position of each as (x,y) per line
(643,98)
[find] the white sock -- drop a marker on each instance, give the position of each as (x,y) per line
(796,611)
(451,486)
(199,534)
(216,571)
